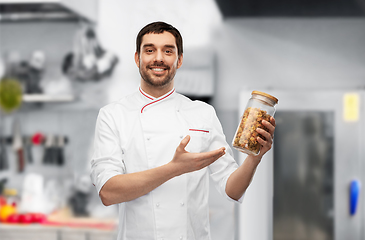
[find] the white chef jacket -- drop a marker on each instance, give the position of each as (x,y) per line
(140,132)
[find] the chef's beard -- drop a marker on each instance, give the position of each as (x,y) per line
(149,78)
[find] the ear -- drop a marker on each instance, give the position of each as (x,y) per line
(136,58)
(180,61)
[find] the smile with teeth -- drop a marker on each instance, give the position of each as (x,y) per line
(158,69)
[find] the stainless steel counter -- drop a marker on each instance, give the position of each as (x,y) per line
(40,232)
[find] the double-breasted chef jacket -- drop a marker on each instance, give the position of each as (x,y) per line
(140,132)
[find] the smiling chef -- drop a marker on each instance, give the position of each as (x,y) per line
(156,150)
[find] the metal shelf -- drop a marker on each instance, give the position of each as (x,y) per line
(47,98)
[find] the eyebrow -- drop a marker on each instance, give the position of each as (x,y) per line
(170,46)
(152,45)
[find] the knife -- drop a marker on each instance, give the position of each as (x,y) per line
(18,145)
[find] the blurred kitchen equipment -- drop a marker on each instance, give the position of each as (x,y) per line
(48,10)
(354,193)
(28,150)
(2,68)
(32,198)
(3,157)
(2,185)
(30,72)
(88,61)
(54,150)
(49,151)
(80,198)
(38,60)
(37,138)
(38,148)
(10,99)
(18,145)
(60,150)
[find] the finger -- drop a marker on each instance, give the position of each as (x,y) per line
(265,134)
(205,159)
(269,126)
(212,154)
(273,122)
(264,143)
(184,142)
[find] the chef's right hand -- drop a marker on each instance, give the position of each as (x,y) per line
(188,162)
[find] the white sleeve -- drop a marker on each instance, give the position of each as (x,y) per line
(107,160)
(221,169)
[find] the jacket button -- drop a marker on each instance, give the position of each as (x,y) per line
(182,203)
(148,139)
(157,204)
(181,237)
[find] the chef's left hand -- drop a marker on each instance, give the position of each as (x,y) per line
(266,145)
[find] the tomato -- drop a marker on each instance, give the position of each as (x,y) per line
(38,217)
(13,218)
(25,218)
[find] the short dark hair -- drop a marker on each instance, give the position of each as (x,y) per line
(160,27)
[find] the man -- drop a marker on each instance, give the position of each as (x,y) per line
(156,149)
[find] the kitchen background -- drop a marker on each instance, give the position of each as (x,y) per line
(229,47)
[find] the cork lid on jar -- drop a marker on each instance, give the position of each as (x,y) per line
(272,98)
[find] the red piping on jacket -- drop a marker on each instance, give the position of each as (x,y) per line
(145,94)
(157,100)
(199,130)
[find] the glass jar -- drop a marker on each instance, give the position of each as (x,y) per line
(261,106)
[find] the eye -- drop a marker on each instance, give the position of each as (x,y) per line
(149,50)
(169,52)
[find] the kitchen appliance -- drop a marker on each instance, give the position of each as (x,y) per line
(21,10)
(309,185)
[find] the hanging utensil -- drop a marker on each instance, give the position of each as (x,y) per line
(105,60)
(48,150)
(60,150)
(18,145)
(3,157)
(38,140)
(28,150)
(88,61)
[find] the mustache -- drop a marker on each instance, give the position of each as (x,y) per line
(158,65)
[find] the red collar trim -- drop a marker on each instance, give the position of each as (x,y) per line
(172,91)
(145,94)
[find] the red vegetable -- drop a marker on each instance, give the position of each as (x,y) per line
(13,218)
(38,217)
(26,218)
(2,201)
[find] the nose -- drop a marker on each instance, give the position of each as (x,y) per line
(159,56)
